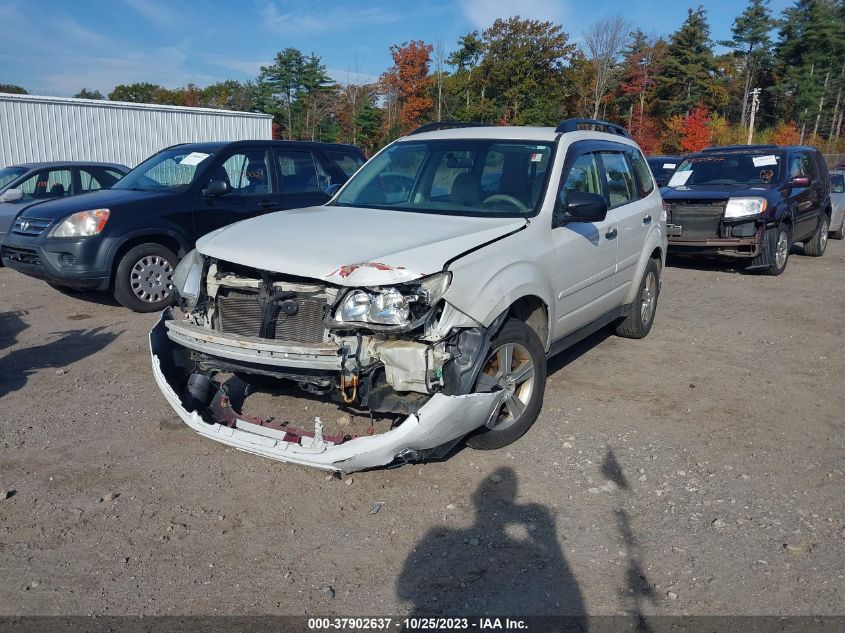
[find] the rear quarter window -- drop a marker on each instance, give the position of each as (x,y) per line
(347,162)
(641,172)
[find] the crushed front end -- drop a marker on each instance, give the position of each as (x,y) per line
(702,227)
(396,353)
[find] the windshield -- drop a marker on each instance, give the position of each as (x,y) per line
(9,174)
(461,177)
(728,169)
(662,168)
(169,170)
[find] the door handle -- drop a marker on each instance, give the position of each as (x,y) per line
(611,233)
(647,219)
(267,205)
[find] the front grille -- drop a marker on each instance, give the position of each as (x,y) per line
(30,226)
(697,221)
(239,312)
(22,255)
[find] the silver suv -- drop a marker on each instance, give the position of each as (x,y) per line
(429,292)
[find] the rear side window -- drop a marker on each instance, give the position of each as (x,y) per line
(93,179)
(620,180)
(347,162)
(642,172)
(300,172)
(55,183)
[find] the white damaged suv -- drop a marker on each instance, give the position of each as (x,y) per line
(426,295)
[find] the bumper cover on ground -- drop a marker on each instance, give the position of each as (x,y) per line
(443,419)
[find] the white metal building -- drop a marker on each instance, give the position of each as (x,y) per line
(55,128)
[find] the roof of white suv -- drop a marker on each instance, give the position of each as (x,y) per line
(514,133)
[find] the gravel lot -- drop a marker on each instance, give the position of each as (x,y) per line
(698,471)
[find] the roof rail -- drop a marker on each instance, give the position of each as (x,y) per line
(445,125)
(574,125)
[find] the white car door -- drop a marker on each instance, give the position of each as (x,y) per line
(634,215)
(585,255)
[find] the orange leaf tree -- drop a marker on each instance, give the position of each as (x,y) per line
(408,82)
(697,133)
(786,134)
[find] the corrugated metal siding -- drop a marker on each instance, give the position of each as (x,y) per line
(48,128)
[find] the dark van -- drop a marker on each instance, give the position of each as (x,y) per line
(129,238)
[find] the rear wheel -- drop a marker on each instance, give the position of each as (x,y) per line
(638,323)
(516,364)
(816,245)
(143,281)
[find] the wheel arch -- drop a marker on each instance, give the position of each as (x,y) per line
(167,239)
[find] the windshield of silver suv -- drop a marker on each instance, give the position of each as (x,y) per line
(169,170)
(729,168)
(458,177)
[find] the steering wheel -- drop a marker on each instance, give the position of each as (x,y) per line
(503,197)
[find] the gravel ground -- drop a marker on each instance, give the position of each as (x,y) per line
(699,471)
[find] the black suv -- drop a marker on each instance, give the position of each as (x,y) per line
(749,201)
(129,238)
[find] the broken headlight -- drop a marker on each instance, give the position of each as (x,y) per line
(187,279)
(394,305)
(744,207)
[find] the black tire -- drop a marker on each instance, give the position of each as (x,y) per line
(838,235)
(638,323)
(525,346)
(778,242)
(143,278)
(816,245)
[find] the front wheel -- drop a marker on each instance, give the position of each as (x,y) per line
(638,323)
(779,243)
(816,245)
(143,281)
(516,365)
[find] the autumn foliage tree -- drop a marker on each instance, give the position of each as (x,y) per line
(786,133)
(407,83)
(697,133)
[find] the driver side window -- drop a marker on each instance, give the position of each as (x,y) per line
(584,176)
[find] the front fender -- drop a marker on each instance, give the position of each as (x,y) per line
(484,290)
(185,244)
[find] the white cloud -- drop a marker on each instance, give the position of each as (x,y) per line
(298,18)
(482,13)
(156,12)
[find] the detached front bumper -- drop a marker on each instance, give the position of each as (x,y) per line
(746,246)
(441,420)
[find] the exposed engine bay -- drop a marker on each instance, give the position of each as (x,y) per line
(416,361)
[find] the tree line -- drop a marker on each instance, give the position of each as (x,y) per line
(675,93)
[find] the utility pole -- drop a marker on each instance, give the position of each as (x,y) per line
(755,103)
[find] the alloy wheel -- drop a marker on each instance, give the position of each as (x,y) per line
(151,278)
(509,368)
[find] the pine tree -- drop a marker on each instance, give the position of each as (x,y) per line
(688,70)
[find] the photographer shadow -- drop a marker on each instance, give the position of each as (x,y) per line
(509,562)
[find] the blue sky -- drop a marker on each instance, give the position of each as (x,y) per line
(55,47)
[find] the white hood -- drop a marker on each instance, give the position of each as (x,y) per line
(352,246)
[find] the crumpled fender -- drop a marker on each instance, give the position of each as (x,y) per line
(441,420)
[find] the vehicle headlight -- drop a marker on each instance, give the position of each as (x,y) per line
(394,305)
(187,278)
(744,207)
(82,224)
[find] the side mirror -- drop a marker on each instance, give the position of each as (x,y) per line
(800,181)
(11,195)
(331,190)
(581,207)
(215,188)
